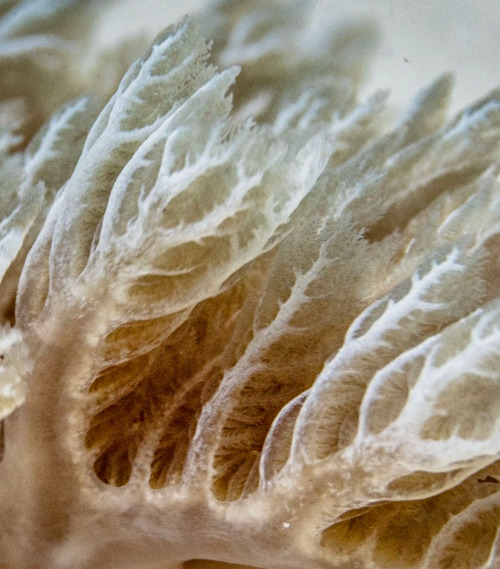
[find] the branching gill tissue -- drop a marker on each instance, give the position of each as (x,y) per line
(244,319)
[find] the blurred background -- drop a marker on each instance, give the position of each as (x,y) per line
(418,39)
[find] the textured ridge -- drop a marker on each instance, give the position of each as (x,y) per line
(254,323)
